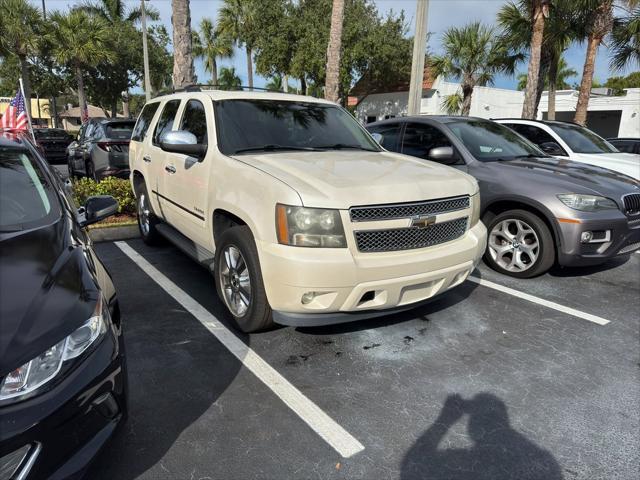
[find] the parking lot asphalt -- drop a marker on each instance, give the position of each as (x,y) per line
(478,384)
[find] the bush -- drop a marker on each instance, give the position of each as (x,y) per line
(116,187)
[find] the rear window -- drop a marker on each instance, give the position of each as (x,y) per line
(144,121)
(27,199)
(51,133)
(120,130)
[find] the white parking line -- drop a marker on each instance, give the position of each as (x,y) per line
(332,433)
(539,301)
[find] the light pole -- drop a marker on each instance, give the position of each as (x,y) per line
(417,63)
(145,53)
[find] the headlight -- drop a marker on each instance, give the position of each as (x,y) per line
(309,227)
(587,203)
(475,209)
(27,379)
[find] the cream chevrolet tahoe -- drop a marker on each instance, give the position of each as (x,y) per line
(303,218)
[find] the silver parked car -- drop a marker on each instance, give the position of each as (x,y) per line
(101,149)
(538,209)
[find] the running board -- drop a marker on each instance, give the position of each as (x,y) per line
(195,251)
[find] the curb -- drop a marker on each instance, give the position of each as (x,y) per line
(110,234)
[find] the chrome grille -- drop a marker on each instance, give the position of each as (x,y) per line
(632,204)
(394,239)
(407,210)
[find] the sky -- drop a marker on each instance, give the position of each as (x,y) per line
(442,15)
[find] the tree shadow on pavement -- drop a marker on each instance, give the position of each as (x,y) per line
(498,453)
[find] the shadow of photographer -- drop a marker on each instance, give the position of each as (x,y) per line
(498,453)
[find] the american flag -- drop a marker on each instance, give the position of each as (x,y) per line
(15,117)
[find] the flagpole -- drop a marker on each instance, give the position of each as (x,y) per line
(27,108)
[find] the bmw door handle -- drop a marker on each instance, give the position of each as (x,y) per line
(170,169)
(147,158)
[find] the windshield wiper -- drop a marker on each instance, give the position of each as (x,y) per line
(340,146)
(273,148)
(531,155)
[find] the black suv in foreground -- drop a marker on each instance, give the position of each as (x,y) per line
(62,363)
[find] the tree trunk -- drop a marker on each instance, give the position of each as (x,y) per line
(125,109)
(332,82)
(542,74)
(114,109)
(285,83)
(249,68)
(467,94)
(553,85)
(587,79)
(531,90)
(182,56)
(82,102)
(26,83)
(214,72)
(303,85)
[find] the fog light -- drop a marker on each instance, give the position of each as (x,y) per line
(586,237)
(308,297)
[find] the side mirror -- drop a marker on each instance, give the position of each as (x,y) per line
(378,137)
(186,143)
(97,208)
(551,148)
(444,155)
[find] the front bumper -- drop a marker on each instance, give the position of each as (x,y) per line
(351,287)
(66,426)
(624,235)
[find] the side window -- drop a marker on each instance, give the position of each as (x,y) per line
(623,146)
(419,139)
(194,120)
(88,133)
(165,122)
(98,132)
(390,134)
(144,121)
(371,119)
(81,133)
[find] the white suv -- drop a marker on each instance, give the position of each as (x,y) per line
(304,219)
(564,139)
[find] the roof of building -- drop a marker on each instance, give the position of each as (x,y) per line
(94,112)
(366,86)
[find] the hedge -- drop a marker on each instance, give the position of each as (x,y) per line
(118,188)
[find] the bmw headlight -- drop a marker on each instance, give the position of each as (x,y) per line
(26,380)
(587,203)
(309,227)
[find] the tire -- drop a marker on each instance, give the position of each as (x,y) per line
(72,172)
(147,221)
(519,244)
(242,289)
(90,171)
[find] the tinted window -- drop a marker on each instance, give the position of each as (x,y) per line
(50,133)
(582,140)
(165,122)
(489,141)
(144,121)
(419,139)
(194,120)
(390,134)
(533,134)
(88,133)
(26,194)
(623,145)
(119,130)
(273,124)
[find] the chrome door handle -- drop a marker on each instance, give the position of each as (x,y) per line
(147,158)
(170,169)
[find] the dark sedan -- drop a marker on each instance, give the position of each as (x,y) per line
(62,362)
(538,209)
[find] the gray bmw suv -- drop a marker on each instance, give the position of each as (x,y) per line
(538,210)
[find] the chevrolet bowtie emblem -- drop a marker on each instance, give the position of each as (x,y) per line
(422,221)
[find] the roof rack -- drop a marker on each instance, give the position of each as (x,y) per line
(203,87)
(534,120)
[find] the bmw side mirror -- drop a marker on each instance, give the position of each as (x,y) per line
(97,208)
(186,143)
(551,148)
(377,137)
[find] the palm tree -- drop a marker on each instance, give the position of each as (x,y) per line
(115,11)
(79,40)
(539,10)
(625,40)
(452,104)
(228,79)
(564,72)
(596,19)
(19,24)
(474,55)
(237,20)
(332,82)
(182,55)
(209,44)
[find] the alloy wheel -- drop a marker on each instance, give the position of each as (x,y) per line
(514,245)
(143,214)
(235,281)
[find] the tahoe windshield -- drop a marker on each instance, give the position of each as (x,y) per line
(246,126)
(490,142)
(581,140)
(26,195)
